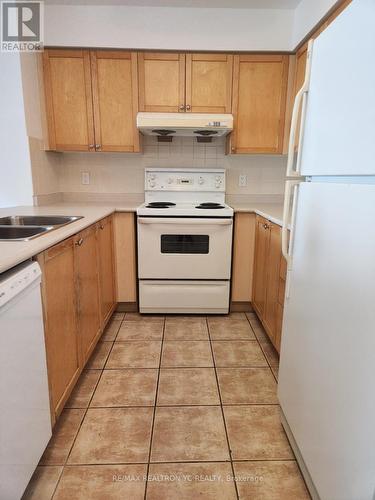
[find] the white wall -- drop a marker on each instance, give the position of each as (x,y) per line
(307,15)
(168,28)
(15,168)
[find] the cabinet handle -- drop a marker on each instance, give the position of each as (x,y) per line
(101,226)
(182,107)
(266,226)
(79,242)
(91,146)
(188,107)
(98,146)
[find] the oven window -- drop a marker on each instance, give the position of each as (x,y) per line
(184,243)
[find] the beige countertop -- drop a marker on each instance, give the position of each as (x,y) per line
(15,252)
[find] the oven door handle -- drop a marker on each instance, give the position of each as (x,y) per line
(190,221)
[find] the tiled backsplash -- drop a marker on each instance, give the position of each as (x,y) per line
(124,173)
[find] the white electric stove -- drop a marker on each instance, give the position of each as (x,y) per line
(184,242)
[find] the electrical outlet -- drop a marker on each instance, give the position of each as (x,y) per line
(242,180)
(85,177)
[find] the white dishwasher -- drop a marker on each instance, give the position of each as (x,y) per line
(25,424)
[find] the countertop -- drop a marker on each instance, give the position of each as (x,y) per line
(15,252)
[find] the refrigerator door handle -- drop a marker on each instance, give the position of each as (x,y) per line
(289,219)
(300,99)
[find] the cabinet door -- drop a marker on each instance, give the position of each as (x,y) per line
(115,97)
(59,305)
(259,100)
(273,280)
(161,82)
(209,83)
(87,283)
(125,257)
(262,238)
(67,82)
(243,257)
(106,267)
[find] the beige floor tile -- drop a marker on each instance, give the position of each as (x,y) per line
(135,354)
(270,481)
(207,481)
(113,435)
(239,353)
(134,387)
(141,330)
(227,317)
(63,436)
(133,316)
(111,331)
(118,316)
(231,330)
(189,434)
(99,356)
(255,433)
(184,354)
(102,482)
(84,389)
(187,386)
(271,354)
(247,386)
(43,483)
(187,329)
(178,318)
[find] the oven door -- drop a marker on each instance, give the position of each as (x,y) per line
(184,248)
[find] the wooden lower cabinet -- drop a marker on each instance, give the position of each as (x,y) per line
(243,259)
(125,257)
(60,322)
(106,268)
(262,236)
(269,278)
(87,290)
(78,298)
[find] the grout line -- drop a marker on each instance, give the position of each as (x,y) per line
(84,415)
(154,410)
(222,411)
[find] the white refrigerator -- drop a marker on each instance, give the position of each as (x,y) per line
(327,363)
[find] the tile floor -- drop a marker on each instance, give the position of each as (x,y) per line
(187,402)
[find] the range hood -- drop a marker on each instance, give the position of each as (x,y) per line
(203,126)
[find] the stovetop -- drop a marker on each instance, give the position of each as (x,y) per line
(192,209)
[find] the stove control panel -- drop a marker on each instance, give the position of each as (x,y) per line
(189,180)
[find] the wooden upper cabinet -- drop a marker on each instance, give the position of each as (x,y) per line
(115,98)
(209,83)
(67,83)
(87,284)
(161,81)
(106,268)
(259,100)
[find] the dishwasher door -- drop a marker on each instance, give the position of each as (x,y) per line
(25,423)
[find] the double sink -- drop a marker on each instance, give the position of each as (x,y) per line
(28,227)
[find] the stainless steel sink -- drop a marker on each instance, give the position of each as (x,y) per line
(22,233)
(27,227)
(37,220)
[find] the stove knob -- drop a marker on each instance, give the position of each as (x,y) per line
(152,176)
(152,184)
(200,180)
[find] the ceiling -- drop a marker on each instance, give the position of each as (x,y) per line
(232,4)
